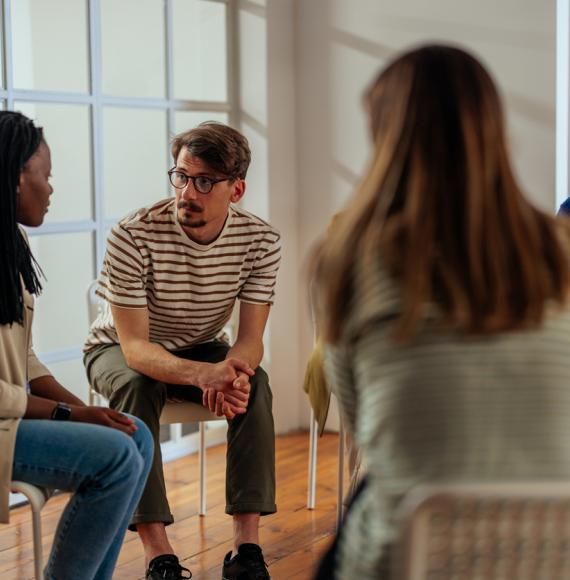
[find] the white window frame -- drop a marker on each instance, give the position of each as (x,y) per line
(96,101)
(562,100)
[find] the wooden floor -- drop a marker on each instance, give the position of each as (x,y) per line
(292,540)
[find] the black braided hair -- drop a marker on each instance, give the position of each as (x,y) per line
(19,140)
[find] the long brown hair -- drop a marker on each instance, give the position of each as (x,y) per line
(440,209)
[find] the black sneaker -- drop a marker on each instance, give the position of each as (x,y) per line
(247,564)
(167,567)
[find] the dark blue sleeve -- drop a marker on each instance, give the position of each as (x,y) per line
(565,208)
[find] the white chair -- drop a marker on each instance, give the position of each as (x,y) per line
(312,485)
(313,438)
(510,531)
(183,412)
(37,498)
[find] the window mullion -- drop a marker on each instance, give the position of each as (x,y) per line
(96,131)
(8,54)
(232,59)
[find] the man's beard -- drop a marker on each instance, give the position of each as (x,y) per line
(190,223)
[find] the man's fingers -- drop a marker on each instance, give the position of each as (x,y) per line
(235,401)
(229,414)
(237,410)
(212,400)
(219,404)
(242,384)
(242,366)
(238,394)
(209,399)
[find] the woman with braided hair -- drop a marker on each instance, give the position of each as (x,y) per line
(48,437)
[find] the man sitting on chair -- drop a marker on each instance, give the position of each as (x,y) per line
(171,276)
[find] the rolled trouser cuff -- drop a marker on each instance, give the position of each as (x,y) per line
(166,519)
(263,509)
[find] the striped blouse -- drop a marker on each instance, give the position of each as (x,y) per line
(443,407)
(189,289)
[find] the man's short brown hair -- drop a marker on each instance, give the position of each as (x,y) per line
(222,148)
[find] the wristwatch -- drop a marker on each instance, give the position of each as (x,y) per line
(61,412)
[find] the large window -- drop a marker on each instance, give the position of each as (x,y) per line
(111,82)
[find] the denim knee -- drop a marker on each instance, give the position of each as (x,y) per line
(124,457)
(142,438)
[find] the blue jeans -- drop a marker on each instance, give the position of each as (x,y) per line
(105,468)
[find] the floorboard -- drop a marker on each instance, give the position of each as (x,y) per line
(293,539)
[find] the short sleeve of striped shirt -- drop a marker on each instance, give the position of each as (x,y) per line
(259,287)
(121,282)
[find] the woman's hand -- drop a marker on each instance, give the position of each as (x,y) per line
(103,416)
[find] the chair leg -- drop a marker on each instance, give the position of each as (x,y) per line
(202,461)
(340,487)
(311,492)
(37,531)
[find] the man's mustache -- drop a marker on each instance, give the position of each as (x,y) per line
(189,205)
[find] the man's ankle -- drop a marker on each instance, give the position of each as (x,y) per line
(246,530)
(154,540)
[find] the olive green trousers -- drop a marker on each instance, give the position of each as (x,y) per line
(250,457)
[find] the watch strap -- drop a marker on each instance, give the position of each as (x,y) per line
(61,412)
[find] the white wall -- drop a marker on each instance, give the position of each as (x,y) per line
(267,118)
(304,65)
(340,45)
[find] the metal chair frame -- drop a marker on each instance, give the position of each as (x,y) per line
(37,497)
(312,483)
(313,438)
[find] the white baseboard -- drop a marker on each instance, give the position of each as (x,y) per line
(215,435)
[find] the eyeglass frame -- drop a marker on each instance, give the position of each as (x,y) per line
(193,178)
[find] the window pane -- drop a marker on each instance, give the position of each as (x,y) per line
(68,133)
(135,159)
(133,48)
(60,318)
(185,120)
(50,45)
(199,50)
(71,374)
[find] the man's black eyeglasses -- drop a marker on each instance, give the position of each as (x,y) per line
(202,184)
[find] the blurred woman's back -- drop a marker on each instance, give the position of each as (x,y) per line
(447,322)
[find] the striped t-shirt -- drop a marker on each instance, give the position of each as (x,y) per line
(189,289)
(443,407)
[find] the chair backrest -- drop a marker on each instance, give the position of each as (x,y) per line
(95,304)
(489,531)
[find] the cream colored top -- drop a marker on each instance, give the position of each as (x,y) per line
(18,365)
(443,407)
